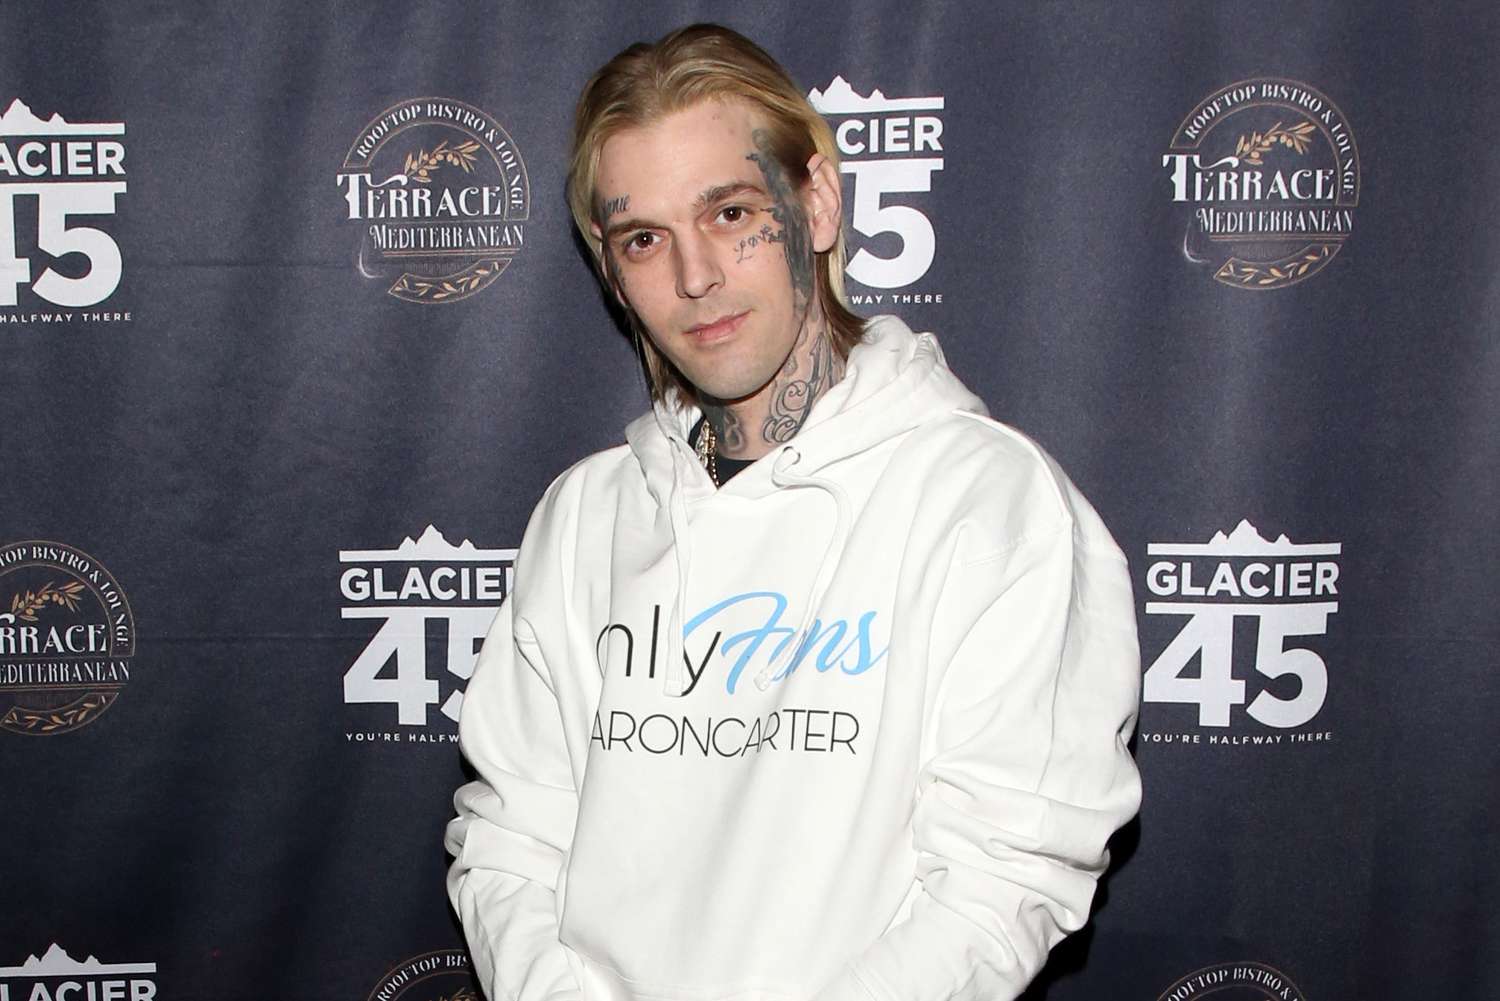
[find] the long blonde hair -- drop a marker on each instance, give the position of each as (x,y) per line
(647,82)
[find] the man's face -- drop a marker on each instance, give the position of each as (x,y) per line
(709,244)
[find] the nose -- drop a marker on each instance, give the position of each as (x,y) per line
(698,270)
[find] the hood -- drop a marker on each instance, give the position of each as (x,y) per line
(894,381)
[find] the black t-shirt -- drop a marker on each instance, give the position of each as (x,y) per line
(727,468)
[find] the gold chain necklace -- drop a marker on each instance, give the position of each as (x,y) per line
(708,451)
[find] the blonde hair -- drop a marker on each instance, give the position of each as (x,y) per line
(647,82)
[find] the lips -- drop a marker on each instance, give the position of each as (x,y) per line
(717,330)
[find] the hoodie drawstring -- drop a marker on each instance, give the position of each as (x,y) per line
(782,477)
(674,680)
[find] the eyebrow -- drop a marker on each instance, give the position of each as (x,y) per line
(707,197)
(720,192)
(615,229)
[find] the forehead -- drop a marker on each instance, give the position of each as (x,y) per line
(668,163)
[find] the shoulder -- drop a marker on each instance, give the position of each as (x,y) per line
(991,463)
(592,481)
(600,472)
(572,517)
(1007,488)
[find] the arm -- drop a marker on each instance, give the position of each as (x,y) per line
(515,821)
(1025,771)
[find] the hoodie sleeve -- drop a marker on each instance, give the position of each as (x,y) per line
(515,821)
(1024,773)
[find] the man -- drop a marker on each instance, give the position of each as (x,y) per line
(818,688)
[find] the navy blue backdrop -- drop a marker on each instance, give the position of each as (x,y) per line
(245,395)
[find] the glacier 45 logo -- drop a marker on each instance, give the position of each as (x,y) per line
(57,976)
(70,170)
(421,583)
(891,146)
(1290,590)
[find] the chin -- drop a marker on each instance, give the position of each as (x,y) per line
(729,390)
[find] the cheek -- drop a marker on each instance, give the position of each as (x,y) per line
(634,281)
(651,295)
(647,292)
(768,274)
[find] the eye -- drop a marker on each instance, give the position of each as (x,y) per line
(639,243)
(733,213)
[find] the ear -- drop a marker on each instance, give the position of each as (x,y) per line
(823,199)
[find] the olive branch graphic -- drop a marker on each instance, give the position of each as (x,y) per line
(464,994)
(438,289)
(1253,146)
(1256,274)
(23,720)
(25,607)
(422,163)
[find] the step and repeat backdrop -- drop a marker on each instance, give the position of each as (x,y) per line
(271,426)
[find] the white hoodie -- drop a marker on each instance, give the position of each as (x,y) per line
(676,801)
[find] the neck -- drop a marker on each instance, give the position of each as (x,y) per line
(751,427)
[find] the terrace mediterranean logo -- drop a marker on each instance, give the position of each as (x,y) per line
(1267,173)
(440,196)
